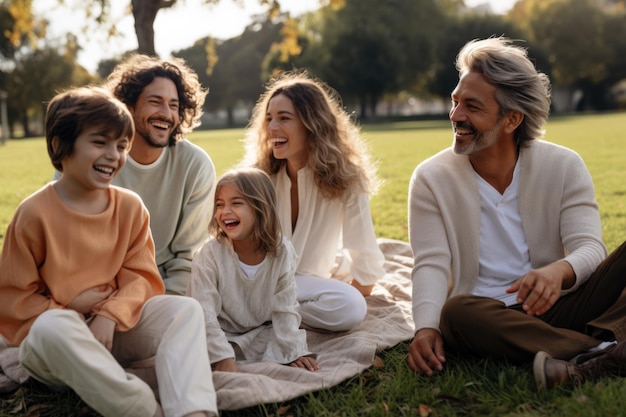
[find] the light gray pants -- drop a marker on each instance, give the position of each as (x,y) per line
(60,350)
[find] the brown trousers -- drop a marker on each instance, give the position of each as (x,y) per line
(575,323)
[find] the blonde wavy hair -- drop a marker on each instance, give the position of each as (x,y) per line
(338,156)
(258,191)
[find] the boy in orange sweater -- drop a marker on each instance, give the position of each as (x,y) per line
(80,292)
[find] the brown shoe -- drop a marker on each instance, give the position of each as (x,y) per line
(550,372)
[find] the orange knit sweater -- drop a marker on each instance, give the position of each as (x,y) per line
(52,253)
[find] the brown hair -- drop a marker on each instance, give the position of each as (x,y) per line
(70,112)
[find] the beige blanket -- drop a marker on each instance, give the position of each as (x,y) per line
(340,355)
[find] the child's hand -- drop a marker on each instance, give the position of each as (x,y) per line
(307,362)
(84,302)
(103,329)
(226,365)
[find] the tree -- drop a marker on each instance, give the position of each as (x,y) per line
(581,50)
(460,29)
(365,55)
(236,76)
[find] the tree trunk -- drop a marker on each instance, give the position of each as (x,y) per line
(144,13)
(230,116)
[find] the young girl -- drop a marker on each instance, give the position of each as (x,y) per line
(80,292)
(303,138)
(244,278)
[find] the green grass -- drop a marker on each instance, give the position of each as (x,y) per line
(469,386)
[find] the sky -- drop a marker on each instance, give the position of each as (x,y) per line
(176,28)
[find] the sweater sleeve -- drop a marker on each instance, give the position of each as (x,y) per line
(23,295)
(192,226)
(203,286)
(580,225)
(431,252)
(359,238)
(138,278)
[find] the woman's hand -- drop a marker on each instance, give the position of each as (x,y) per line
(307,362)
(363,289)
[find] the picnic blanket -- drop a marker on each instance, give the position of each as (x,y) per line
(340,355)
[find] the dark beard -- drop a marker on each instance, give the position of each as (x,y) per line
(146,137)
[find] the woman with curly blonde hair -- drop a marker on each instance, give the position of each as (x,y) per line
(302,137)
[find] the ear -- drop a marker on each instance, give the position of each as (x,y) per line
(512,120)
(55,143)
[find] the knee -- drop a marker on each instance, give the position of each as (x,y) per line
(52,328)
(180,310)
(354,313)
(457,312)
(54,324)
(337,309)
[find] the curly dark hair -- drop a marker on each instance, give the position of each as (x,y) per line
(130,77)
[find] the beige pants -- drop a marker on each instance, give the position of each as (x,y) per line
(61,351)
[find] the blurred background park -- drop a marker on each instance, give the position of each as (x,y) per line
(388,59)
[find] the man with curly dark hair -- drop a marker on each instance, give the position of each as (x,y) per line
(174,177)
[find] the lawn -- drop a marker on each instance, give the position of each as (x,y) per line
(468,387)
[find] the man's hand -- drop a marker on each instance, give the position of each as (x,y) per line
(426,352)
(539,289)
(103,329)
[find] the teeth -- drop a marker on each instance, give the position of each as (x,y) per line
(103,169)
(229,222)
(279,140)
(464,132)
(160,125)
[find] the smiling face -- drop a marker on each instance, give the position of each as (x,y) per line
(156,113)
(286,132)
(475,115)
(95,161)
(233,213)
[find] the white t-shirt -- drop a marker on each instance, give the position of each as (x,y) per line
(504,256)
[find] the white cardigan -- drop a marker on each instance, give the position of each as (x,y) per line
(560,218)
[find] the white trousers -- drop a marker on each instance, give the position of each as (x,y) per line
(329,304)
(60,350)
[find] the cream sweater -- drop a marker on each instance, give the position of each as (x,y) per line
(260,314)
(178,191)
(560,218)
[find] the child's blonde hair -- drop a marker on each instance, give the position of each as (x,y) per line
(258,190)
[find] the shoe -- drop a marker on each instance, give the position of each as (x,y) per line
(550,372)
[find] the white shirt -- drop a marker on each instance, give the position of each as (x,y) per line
(326,226)
(504,256)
